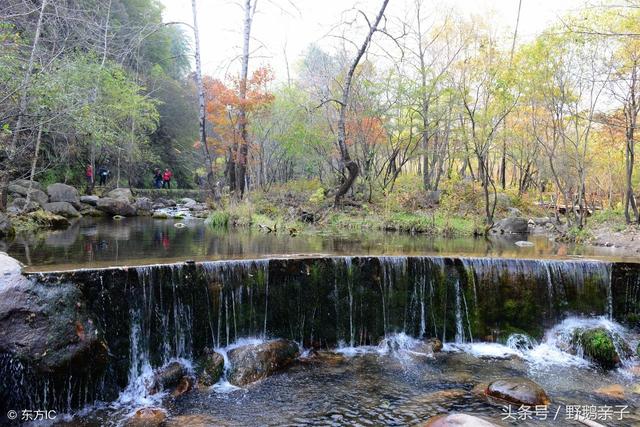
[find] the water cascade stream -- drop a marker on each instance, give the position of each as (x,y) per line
(149,316)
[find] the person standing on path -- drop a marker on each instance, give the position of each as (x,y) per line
(103,173)
(157,178)
(166,179)
(89,175)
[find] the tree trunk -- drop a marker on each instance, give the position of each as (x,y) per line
(34,163)
(243,151)
(345,158)
(202,112)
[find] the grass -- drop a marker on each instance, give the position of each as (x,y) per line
(218,219)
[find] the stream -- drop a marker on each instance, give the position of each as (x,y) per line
(360,308)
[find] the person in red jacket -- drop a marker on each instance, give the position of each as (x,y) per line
(89,175)
(166,178)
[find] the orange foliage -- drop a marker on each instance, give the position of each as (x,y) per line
(365,130)
(223,102)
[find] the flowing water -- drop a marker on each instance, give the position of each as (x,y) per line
(361,323)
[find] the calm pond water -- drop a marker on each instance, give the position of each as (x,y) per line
(93,242)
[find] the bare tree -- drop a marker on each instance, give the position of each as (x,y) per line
(345,158)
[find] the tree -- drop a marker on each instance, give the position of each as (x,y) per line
(345,158)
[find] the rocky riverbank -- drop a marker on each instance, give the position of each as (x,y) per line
(32,206)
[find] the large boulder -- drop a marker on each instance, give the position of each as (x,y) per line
(253,362)
(61,208)
(89,200)
(601,346)
(44,219)
(6,228)
(458,420)
(116,206)
(37,195)
(519,391)
(143,204)
(512,225)
(48,328)
(64,193)
(35,185)
(210,368)
(20,205)
(120,193)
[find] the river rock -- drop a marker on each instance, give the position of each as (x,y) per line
(147,417)
(600,346)
(116,206)
(188,203)
(120,193)
(63,193)
(540,221)
(48,328)
(168,377)
(20,205)
(209,368)
(6,228)
(458,420)
(90,200)
(143,205)
(35,185)
(44,219)
(519,391)
(64,209)
(515,225)
(615,391)
(253,362)
(37,195)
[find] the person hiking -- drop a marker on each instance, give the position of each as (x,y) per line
(89,175)
(166,179)
(103,173)
(157,178)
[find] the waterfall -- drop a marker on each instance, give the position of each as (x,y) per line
(459,337)
(152,315)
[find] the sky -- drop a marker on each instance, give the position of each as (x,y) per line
(292,25)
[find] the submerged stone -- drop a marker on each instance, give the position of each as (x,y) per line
(210,368)
(458,420)
(147,417)
(251,363)
(615,391)
(518,390)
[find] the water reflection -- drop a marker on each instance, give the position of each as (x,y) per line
(143,240)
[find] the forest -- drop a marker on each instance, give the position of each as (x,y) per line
(420,119)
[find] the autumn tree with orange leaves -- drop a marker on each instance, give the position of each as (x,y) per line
(224,105)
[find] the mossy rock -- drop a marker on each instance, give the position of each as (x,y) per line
(599,345)
(210,368)
(638,350)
